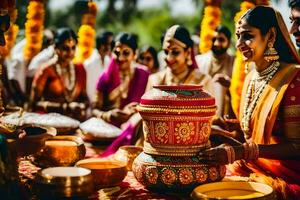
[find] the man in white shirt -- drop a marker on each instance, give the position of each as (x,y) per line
(97,62)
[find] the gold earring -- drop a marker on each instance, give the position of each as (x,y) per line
(189,62)
(246,67)
(271,54)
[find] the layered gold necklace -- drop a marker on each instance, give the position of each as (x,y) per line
(68,81)
(255,88)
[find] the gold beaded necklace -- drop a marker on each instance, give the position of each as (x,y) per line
(68,82)
(260,79)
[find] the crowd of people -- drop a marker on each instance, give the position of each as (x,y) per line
(263,142)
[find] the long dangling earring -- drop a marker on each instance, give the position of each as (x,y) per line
(271,54)
(189,61)
(246,67)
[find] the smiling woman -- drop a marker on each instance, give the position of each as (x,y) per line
(269,107)
(122,84)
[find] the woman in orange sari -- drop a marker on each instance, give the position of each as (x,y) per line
(60,85)
(270,108)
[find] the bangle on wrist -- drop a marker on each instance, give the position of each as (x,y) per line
(65,107)
(45,105)
(230,154)
(251,150)
(106,116)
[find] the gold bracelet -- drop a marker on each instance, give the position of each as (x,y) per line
(45,105)
(230,154)
(65,107)
(246,150)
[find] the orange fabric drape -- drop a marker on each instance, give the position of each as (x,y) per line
(265,112)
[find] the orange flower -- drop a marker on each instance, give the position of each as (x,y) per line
(34,28)
(210,21)
(86,43)
(262,2)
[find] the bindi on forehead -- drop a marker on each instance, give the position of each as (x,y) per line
(70,43)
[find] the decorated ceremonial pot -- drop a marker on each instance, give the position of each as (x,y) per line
(175,174)
(177,125)
(176,119)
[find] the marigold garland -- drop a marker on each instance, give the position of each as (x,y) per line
(11,34)
(86,43)
(210,21)
(86,34)
(34,28)
(238,72)
(262,2)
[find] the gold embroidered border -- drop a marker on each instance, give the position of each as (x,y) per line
(177,107)
(291,111)
(175,110)
(292,130)
(176,118)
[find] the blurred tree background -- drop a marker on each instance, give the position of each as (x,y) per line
(124,15)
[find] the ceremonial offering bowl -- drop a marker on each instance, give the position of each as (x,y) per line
(61,151)
(62,182)
(233,190)
(106,173)
(127,154)
(181,174)
(176,117)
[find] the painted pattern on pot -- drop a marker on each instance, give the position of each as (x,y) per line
(175,173)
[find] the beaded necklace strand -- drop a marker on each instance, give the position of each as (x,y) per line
(256,86)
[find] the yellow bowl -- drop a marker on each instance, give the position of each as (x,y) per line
(233,190)
(106,173)
(127,154)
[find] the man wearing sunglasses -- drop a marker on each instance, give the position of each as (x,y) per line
(218,64)
(295,20)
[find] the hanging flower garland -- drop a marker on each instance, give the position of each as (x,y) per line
(262,2)
(86,34)
(210,21)
(11,34)
(34,28)
(238,72)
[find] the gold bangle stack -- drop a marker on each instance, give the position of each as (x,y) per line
(251,151)
(230,154)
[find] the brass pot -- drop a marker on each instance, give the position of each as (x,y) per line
(61,182)
(34,139)
(127,154)
(61,151)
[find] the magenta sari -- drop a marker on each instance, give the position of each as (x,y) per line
(108,82)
